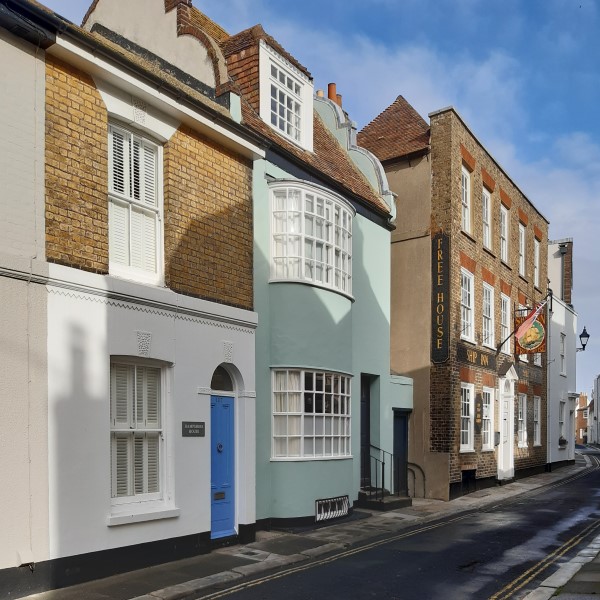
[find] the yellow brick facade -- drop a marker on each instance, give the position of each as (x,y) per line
(76,170)
(208,220)
(208,237)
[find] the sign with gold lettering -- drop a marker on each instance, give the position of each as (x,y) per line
(478,413)
(476,357)
(440,298)
(534,339)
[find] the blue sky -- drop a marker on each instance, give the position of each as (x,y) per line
(523,74)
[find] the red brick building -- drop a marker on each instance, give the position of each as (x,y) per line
(466,256)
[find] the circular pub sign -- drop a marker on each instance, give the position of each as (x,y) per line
(534,337)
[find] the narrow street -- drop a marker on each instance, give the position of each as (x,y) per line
(501,551)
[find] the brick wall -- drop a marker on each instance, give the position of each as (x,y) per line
(452,147)
(208,236)
(76,170)
(208,220)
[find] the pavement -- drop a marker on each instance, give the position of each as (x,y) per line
(577,579)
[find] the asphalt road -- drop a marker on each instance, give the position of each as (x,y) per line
(498,552)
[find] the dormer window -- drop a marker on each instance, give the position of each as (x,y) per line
(285,103)
(285,97)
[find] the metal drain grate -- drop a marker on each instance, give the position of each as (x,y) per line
(331,508)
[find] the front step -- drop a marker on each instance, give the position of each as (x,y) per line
(387,503)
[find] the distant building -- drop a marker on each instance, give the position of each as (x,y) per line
(468,256)
(581,418)
(562,342)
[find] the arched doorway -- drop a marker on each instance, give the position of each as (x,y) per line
(222,459)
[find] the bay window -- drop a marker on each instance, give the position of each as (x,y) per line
(311,414)
(311,237)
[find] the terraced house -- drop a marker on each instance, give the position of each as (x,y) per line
(195,275)
(127,284)
(468,256)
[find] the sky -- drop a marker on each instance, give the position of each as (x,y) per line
(523,74)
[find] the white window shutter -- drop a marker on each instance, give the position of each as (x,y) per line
(143,240)
(121,477)
(118,228)
(135,169)
(153,398)
(121,394)
(138,466)
(150,175)
(153,463)
(118,152)
(139,397)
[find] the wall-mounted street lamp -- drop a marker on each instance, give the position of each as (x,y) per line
(584,337)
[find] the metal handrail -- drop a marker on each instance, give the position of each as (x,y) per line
(381,470)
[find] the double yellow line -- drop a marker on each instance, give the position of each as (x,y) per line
(541,566)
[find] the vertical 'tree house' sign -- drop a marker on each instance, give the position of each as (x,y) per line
(440,297)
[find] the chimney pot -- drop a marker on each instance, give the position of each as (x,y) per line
(320,94)
(331,92)
(338,99)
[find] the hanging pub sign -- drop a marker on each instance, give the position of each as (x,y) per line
(533,339)
(440,298)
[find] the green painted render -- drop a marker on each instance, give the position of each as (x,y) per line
(305,326)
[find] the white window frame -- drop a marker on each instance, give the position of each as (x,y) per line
(522,420)
(145,201)
(505,324)
(467,417)
(487,424)
(296,92)
(303,427)
(465,179)
(562,353)
(486,203)
(521,250)
(467,300)
(536,262)
(537,424)
(127,426)
(504,225)
(561,418)
(487,310)
(537,359)
(585,413)
(311,236)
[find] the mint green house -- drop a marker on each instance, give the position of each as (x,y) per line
(326,404)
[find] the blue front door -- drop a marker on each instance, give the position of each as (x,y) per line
(222,468)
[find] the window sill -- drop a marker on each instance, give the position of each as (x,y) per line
(521,445)
(316,285)
(523,278)
(489,251)
(125,515)
(468,340)
(489,346)
(467,450)
(468,236)
(487,449)
(505,264)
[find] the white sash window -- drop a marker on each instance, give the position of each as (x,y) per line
(136,431)
(135,235)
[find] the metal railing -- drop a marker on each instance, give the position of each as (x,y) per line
(380,473)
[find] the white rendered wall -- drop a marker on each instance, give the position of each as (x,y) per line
(561,386)
(88,324)
(23,428)
(21,147)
